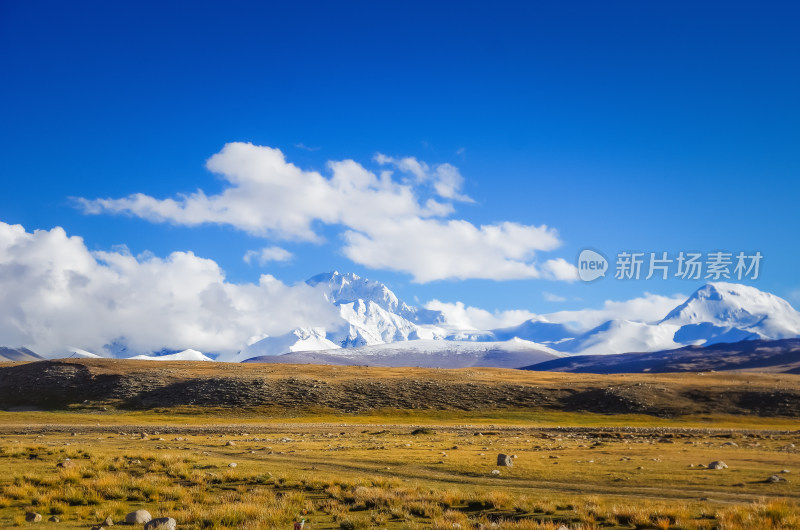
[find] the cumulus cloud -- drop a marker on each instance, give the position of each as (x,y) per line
(55,293)
(468,318)
(647,308)
(446,179)
(267,254)
(433,249)
(560,269)
(388,224)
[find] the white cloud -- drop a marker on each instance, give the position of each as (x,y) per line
(267,254)
(560,269)
(304,147)
(387,224)
(552,297)
(55,293)
(647,308)
(463,317)
(445,178)
(432,249)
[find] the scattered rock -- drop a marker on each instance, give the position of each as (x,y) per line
(232,464)
(54,519)
(98,527)
(230,443)
(717,464)
(731,444)
(775,478)
(33,517)
(162,523)
(495,472)
(504,460)
(784,470)
(109,521)
(138,517)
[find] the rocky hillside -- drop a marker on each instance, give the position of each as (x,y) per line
(141,384)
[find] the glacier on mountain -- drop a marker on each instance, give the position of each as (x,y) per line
(372,315)
(374,324)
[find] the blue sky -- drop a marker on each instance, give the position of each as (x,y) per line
(621,125)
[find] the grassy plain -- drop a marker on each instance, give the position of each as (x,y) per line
(389,468)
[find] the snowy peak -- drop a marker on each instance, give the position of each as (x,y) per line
(718,312)
(425,353)
(300,339)
(185,355)
(731,305)
(348,288)
(620,336)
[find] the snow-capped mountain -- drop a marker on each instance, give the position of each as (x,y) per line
(372,317)
(185,355)
(372,314)
(344,289)
(716,313)
(300,339)
(77,353)
(426,354)
(620,336)
(375,327)
(727,308)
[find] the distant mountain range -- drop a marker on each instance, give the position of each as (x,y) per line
(18,354)
(377,328)
(371,315)
(425,354)
(776,356)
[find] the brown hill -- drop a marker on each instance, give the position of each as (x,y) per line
(146,384)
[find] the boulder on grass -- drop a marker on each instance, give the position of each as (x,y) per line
(138,517)
(162,523)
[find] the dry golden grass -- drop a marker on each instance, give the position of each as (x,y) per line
(379,475)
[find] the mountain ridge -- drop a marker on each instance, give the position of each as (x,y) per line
(371,315)
(773,356)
